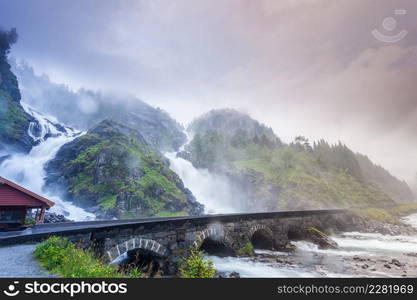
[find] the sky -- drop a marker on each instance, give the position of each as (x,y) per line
(310,67)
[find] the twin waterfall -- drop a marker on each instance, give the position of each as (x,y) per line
(28,170)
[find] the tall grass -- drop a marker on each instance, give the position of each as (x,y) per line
(61,257)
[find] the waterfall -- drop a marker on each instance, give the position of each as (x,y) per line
(28,171)
(212,190)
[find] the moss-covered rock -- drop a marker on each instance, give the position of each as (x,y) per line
(14,121)
(320,238)
(14,124)
(246,250)
(113,171)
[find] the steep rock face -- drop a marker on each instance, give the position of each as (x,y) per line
(85,108)
(113,172)
(14,121)
(277,176)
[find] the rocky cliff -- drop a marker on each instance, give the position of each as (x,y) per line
(14,121)
(113,172)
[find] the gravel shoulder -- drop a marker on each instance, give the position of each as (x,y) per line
(17,261)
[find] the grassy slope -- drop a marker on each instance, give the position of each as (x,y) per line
(388,215)
(288,177)
(303,183)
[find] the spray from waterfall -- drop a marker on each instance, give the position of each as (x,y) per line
(212,190)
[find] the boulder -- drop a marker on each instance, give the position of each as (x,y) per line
(320,239)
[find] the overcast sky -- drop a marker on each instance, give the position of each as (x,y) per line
(310,67)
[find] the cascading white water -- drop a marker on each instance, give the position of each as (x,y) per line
(211,190)
(45,125)
(247,267)
(364,245)
(28,169)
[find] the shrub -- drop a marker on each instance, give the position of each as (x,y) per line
(246,250)
(195,266)
(52,253)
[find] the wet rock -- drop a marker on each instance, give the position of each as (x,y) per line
(321,239)
(396,262)
(234,275)
(227,275)
(358,258)
(51,217)
(365,266)
(387,266)
(4,158)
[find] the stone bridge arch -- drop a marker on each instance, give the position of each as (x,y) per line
(119,253)
(213,240)
(261,236)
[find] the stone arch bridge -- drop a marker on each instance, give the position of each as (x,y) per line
(166,239)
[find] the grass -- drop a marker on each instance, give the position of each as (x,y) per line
(195,266)
(60,256)
(377,214)
(387,215)
(403,209)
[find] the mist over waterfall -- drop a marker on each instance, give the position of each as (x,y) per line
(28,169)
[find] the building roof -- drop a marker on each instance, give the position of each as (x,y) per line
(11,199)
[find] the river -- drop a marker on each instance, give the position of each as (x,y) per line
(359,255)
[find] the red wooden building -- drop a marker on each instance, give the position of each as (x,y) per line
(20,207)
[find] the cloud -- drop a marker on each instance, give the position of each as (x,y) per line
(307,67)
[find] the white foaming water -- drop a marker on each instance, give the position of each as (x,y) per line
(350,244)
(270,252)
(411,220)
(45,124)
(379,243)
(209,189)
(303,246)
(28,169)
(249,268)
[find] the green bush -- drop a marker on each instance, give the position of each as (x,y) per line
(59,256)
(195,266)
(52,252)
